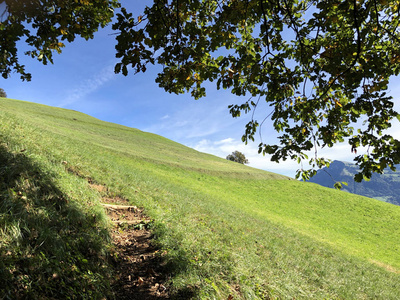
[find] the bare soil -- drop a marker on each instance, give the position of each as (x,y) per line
(137,261)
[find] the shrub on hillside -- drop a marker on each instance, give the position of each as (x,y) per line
(238,157)
(3,93)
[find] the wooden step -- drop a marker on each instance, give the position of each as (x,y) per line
(119,207)
(130,222)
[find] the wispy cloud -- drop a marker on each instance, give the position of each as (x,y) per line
(193,121)
(89,86)
(222,148)
(226,146)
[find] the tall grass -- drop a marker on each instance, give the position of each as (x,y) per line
(227,229)
(54,240)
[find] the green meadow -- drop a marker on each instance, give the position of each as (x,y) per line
(226,231)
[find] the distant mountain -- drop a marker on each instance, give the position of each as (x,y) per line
(384,187)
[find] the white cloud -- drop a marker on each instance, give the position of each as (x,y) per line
(225,141)
(341,151)
(89,86)
(186,121)
(395,129)
(222,148)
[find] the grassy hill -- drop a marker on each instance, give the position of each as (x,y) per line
(384,187)
(224,229)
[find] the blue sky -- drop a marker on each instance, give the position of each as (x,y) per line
(82,79)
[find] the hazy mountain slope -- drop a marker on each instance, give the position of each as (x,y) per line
(225,229)
(385,187)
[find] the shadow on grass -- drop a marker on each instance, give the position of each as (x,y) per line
(49,247)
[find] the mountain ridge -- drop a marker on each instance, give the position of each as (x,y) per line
(384,187)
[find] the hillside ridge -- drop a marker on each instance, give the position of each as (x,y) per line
(223,230)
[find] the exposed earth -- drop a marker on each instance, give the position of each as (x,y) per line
(137,261)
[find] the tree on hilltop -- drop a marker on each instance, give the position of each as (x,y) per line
(3,93)
(320,66)
(238,157)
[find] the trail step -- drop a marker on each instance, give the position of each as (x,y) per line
(119,207)
(134,222)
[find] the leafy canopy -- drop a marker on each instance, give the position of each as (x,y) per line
(238,157)
(45,25)
(322,67)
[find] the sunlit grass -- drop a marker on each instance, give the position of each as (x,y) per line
(227,229)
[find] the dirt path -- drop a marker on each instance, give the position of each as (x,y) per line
(136,259)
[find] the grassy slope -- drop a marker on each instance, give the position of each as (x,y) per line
(227,229)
